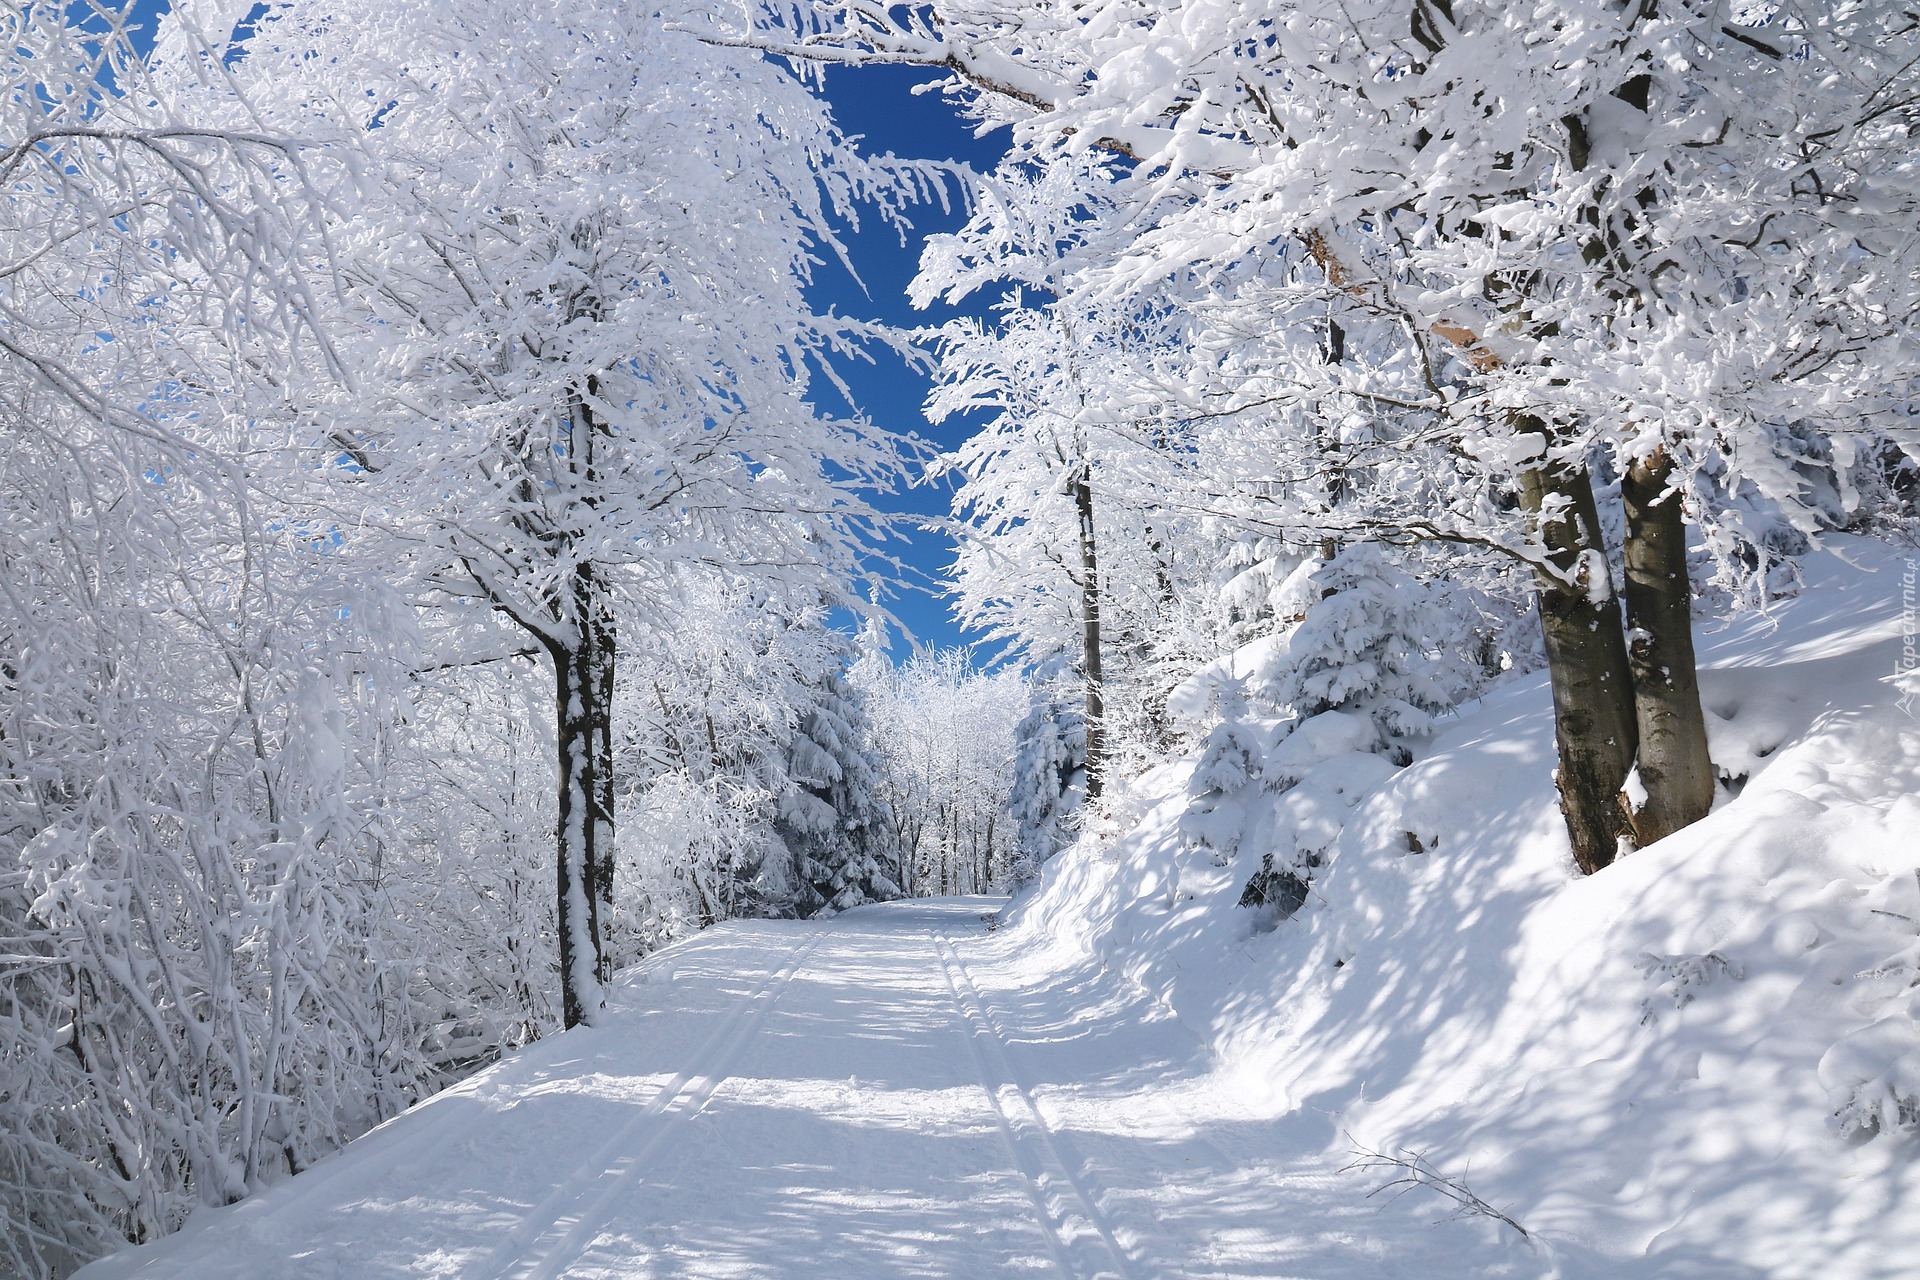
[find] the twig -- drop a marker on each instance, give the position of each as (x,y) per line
(1413,1170)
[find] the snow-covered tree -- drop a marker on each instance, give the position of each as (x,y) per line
(832,818)
(1570,212)
(1049,746)
(572,302)
(1361,657)
(1370,640)
(1066,546)
(151,234)
(205,983)
(200,987)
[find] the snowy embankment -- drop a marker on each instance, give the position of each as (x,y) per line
(1703,1061)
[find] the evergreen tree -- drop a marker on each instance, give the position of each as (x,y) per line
(1049,773)
(831,818)
(1372,642)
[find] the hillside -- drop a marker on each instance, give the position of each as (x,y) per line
(1702,1061)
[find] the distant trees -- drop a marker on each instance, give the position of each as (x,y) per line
(944,735)
(765,770)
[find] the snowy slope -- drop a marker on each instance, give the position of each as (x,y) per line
(1673,1068)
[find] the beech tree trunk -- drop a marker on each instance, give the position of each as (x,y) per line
(1593,706)
(1335,473)
(1675,770)
(584,653)
(583,699)
(1096,709)
(604,653)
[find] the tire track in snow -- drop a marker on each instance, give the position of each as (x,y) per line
(561,1227)
(1084,1244)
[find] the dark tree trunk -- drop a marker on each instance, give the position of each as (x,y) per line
(579,958)
(583,696)
(1594,727)
(1154,708)
(603,653)
(1675,770)
(986,858)
(1096,708)
(1336,478)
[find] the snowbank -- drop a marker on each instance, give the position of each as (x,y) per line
(1704,1061)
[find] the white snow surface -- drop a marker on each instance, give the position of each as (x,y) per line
(1703,1062)
(894,1092)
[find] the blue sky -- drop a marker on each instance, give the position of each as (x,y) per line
(878,104)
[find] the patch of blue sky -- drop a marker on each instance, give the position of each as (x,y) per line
(878,105)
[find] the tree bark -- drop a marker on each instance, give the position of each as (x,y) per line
(1335,473)
(1593,710)
(1675,769)
(583,667)
(603,653)
(1096,708)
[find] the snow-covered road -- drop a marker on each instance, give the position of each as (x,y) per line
(894,1093)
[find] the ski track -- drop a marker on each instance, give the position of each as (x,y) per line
(888,1095)
(1084,1243)
(551,1237)
(1175,1117)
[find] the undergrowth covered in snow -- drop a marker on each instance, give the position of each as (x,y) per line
(1702,1061)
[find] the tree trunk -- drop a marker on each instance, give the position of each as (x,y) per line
(1593,712)
(583,673)
(602,654)
(1675,770)
(1335,473)
(986,857)
(1096,709)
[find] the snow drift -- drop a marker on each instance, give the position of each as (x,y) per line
(1703,1061)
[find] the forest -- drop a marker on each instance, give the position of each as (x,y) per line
(444,562)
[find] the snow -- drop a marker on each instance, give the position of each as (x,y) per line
(1671,1068)
(1701,1062)
(892,1092)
